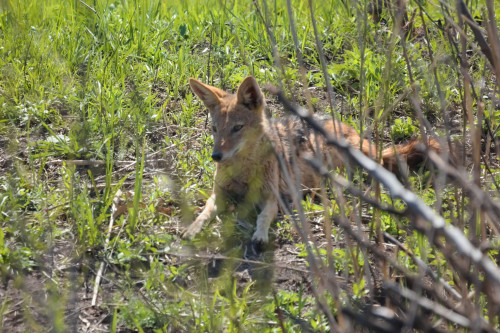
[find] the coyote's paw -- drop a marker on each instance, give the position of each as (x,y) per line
(260,236)
(259,240)
(192,230)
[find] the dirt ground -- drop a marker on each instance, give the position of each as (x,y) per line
(34,301)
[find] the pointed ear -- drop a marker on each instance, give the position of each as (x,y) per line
(249,93)
(209,95)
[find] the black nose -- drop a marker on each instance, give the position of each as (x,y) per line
(216,156)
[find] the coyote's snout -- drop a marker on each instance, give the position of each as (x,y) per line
(247,144)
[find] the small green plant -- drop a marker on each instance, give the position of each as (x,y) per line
(403,128)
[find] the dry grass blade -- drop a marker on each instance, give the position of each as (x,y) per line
(100,271)
(89,7)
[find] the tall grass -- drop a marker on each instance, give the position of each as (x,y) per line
(104,155)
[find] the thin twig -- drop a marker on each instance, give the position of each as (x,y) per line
(353,190)
(420,263)
(481,198)
(222,257)
(428,304)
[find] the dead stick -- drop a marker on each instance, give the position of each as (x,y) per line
(101,267)
(87,162)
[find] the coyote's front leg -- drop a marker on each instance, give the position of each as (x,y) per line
(266,216)
(207,214)
(269,205)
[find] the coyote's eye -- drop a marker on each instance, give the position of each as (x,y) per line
(237,128)
(214,129)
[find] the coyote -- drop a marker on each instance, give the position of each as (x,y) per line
(248,148)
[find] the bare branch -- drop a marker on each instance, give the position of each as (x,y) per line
(437,223)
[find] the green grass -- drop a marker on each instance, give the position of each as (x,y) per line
(109,82)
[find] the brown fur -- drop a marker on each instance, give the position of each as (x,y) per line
(247,144)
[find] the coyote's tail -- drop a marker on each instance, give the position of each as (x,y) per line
(412,152)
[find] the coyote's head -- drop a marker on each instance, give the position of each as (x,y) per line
(236,119)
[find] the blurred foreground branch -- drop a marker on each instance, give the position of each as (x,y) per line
(416,206)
